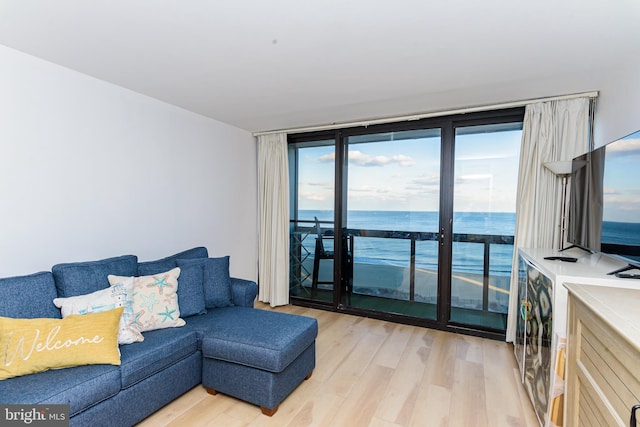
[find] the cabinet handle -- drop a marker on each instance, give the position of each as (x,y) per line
(525,309)
(632,421)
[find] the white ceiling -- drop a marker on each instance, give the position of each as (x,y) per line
(271,64)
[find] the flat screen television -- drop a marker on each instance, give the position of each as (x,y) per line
(604,201)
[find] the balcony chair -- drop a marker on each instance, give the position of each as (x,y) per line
(346,281)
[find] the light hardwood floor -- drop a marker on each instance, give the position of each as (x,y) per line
(379,374)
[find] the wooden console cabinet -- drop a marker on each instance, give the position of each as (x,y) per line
(603,356)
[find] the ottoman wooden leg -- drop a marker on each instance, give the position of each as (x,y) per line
(210,390)
(308,376)
(269,412)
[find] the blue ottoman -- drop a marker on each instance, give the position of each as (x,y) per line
(258,356)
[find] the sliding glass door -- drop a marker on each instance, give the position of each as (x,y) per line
(392,216)
(484,201)
(409,221)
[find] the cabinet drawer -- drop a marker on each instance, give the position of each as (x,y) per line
(607,369)
(592,409)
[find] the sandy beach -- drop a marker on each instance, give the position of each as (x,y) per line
(393,282)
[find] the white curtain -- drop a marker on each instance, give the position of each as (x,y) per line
(552,131)
(273,219)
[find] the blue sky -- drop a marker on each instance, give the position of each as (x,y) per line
(622,181)
(404,174)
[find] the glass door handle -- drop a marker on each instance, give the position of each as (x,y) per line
(632,420)
(525,309)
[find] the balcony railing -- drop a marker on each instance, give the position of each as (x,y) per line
(303,238)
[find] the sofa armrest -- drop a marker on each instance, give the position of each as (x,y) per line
(243,292)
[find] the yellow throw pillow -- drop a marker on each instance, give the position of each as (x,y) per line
(35,345)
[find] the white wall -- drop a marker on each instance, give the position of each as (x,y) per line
(89,170)
(618,103)
(618,107)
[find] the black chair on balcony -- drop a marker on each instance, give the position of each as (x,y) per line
(321,253)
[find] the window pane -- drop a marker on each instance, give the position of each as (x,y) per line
(393,196)
(311,171)
(485,183)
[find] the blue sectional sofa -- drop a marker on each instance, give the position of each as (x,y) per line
(255,355)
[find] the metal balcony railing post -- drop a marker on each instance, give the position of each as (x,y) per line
(412,269)
(485,276)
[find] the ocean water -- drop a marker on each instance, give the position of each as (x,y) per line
(467,257)
(623,233)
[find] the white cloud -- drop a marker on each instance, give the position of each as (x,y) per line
(309,195)
(363,189)
(631,144)
(474,177)
(362,159)
(327,158)
(403,160)
(374,193)
(323,184)
(610,191)
(426,180)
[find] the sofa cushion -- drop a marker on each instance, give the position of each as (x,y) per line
(160,349)
(261,339)
(118,295)
(35,345)
(80,278)
(80,387)
(200,325)
(158,266)
(217,281)
(190,286)
(191,290)
(155,304)
(28,296)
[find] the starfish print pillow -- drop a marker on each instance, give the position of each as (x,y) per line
(155,300)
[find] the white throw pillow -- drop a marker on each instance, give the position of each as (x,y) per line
(155,302)
(118,295)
